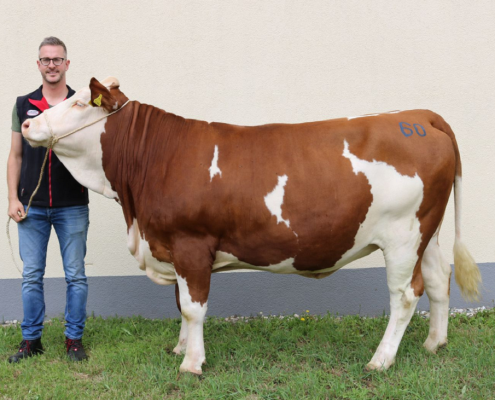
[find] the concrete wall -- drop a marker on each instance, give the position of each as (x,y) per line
(255,62)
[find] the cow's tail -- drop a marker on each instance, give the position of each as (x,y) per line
(467,273)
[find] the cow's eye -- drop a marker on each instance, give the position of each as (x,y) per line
(79,104)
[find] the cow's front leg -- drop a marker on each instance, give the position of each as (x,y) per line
(182,345)
(193,314)
(192,261)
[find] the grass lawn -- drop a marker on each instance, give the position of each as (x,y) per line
(264,358)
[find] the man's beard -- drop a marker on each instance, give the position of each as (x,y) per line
(46,79)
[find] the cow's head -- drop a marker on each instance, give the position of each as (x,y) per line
(81,151)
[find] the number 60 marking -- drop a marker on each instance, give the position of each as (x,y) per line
(406,130)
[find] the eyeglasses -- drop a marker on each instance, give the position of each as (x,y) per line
(56,61)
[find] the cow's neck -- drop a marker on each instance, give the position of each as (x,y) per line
(130,143)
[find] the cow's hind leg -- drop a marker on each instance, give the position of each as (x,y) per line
(192,260)
(400,265)
(436,274)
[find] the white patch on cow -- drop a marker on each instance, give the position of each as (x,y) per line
(227,262)
(373,115)
(391,217)
(116,105)
(194,313)
(275,199)
(214,170)
(159,272)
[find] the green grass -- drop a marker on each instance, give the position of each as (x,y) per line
(318,358)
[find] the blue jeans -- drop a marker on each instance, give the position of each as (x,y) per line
(71,225)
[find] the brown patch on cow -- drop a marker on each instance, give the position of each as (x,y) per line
(325,209)
(177,297)
(417,283)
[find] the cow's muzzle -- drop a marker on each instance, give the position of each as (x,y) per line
(27,130)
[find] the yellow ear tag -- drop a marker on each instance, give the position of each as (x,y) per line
(97,101)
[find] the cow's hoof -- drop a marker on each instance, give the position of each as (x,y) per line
(192,366)
(179,350)
(372,367)
(433,345)
(381,365)
(194,371)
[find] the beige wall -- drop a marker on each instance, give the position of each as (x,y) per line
(254,62)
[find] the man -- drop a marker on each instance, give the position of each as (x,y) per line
(60,202)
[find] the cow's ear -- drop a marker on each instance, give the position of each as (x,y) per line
(101,96)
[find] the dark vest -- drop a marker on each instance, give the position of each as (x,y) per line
(58,187)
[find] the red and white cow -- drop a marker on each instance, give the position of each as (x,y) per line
(304,199)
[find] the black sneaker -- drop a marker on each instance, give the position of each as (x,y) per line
(27,348)
(75,349)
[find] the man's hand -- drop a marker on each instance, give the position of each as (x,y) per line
(16,210)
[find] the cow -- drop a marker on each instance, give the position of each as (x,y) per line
(303,199)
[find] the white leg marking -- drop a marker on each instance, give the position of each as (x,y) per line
(182,345)
(194,313)
(214,170)
(275,199)
(400,266)
(436,276)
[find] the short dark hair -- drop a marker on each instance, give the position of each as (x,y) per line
(53,41)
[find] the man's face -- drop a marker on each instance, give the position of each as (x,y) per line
(52,73)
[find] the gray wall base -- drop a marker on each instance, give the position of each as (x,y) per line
(358,291)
